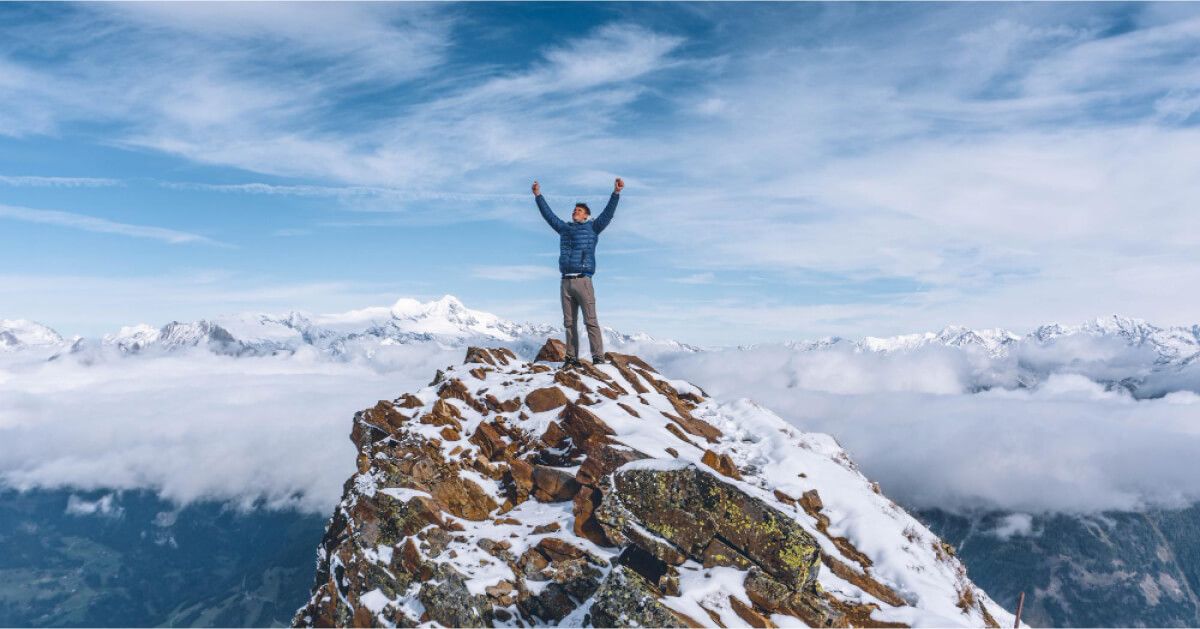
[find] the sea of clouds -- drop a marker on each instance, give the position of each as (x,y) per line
(1034,431)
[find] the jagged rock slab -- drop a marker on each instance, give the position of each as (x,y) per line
(509,493)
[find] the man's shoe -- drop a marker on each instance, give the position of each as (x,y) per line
(598,360)
(570,361)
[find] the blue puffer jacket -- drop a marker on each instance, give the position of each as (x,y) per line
(577,241)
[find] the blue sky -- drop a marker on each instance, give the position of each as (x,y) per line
(793,170)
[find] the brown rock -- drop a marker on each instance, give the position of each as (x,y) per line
(449,433)
(748,614)
(721,463)
(585,524)
(697,427)
(583,425)
(554,351)
(489,441)
(464,498)
(674,430)
(553,485)
(554,436)
(494,356)
(384,414)
(602,459)
(522,476)
(507,406)
(571,381)
(609,393)
(557,549)
(532,562)
(629,360)
(628,409)
(443,414)
(863,580)
(479,372)
(628,374)
(811,502)
(479,355)
(545,399)
(456,389)
(499,590)
(409,400)
(546,528)
(782,497)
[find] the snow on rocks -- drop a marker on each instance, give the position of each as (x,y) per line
(508,493)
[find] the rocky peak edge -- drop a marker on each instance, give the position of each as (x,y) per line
(509,493)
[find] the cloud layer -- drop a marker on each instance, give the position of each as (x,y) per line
(197,425)
(1069,444)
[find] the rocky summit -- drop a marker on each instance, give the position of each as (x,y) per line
(513,493)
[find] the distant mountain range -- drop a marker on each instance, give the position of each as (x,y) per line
(446,322)
(1173,345)
(449,323)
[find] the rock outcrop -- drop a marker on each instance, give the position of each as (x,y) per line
(507,493)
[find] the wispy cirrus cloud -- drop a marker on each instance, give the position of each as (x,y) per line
(84,222)
(967,161)
(57,182)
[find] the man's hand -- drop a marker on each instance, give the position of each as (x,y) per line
(537,189)
(617,187)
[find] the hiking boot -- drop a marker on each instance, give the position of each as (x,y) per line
(598,360)
(570,361)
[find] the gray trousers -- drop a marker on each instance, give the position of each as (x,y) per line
(577,292)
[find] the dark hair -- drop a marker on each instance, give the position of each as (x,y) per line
(585,207)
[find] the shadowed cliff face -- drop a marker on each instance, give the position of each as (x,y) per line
(509,493)
(1111,569)
(135,559)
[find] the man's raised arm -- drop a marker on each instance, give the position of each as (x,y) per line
(606,216)
(555,222)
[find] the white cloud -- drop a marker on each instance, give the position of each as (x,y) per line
(910,421)
(1013,524)
(181,296)
(103,226)
(1062,444)
(57,182)
(1003,165)
(103,506)
(199,426)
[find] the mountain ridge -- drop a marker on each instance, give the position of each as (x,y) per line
(507,493)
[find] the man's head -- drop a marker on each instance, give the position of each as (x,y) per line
(581,213)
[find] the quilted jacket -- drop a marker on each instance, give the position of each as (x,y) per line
(577,241)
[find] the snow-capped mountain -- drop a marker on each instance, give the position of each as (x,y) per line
(994,341)
(1172,345)
(446,322)
(18,334)
(450,324)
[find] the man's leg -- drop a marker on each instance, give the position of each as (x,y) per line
(587,299)
(570,308)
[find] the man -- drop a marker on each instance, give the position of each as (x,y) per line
(577,263)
